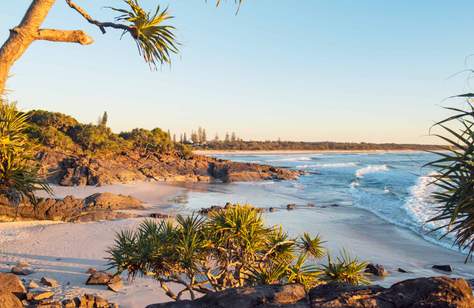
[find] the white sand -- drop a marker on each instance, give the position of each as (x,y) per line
(64,251)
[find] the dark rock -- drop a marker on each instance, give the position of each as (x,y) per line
(420,292)
(260,296)
(401,270)
(49,282)
(13,284)
(335,205)
(22,271)
(272,209)
(159,216)
(376,269)
(291,206)
(91,270)
(99,278)
(444,268)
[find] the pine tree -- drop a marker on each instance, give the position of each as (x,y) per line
(233,138)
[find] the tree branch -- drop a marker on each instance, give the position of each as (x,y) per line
(101,25)
(67,36)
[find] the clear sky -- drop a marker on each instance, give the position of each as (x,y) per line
(313,70)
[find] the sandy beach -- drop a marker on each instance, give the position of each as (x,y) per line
(64,251)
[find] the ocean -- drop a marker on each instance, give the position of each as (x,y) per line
(393,186)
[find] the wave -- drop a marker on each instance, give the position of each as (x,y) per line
(292,159)
(370,169)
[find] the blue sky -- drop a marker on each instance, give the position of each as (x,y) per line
(341,70)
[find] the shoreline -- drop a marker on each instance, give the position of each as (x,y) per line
(276,152)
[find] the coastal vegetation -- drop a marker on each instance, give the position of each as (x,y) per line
(19,178)
(229,248)
(454,177)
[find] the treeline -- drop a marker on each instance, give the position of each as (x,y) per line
(240,145)
(57,130)
(200,138)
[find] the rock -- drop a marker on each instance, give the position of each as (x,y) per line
(99,278)
(272,209)
(335,205)
(270,295)
(444,268)
(115,284)
(291,206)
(33,285)
(376,269)
(39,295)
(91,270)
(401,270)
(89,300)
(22,271)
(48,303)
(420,292)
(49,282)
(69,303)
(13,284)
(109,201)
(8,300)
(22,264)
(159,216)
(310,204)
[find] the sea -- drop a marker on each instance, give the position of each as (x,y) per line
(395,186)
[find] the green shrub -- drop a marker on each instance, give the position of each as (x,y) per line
(155,140)
(19,177)
(229,248)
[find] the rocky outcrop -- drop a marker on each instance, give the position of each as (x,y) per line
(101,206)
(72,170)
(292,295)
(434,292)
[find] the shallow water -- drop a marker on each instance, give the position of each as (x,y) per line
(393,186)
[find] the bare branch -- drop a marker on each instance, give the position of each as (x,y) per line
(67,36)
(101,25)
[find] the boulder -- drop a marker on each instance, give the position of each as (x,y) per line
(49,282)
(376,269)
(419,292)
(13,284)
(293,295)
(8,300)
(115,284)
(109,201)
(291,206)
(39,295)
(22,271)
(33,285)
(99,278)
(444,268)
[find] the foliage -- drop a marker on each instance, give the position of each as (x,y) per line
(18,175)
(155,140)
(454,178)
(155,40)
(345,269)
(228,248)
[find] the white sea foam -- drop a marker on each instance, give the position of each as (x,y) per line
(371,169)
(295,159)
(336,165)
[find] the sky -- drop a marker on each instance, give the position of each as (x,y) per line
(310,70)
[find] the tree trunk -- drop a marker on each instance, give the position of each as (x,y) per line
(22,36)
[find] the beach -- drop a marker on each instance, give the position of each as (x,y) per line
(65,251)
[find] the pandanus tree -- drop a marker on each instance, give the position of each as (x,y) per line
(19,177)
(151,32)
(454,177)
(229,248)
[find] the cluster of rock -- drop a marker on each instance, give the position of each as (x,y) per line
(421,292)
(75,170)
(14,294)
(101,206)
